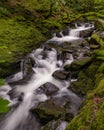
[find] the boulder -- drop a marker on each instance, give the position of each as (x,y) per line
(48,88)
(58,107)
(85,80)
(61,74)
(48,111)
(86,33)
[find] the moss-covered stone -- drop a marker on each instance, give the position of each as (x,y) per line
(48,111)
(91,115)
(85,81)
(79,64)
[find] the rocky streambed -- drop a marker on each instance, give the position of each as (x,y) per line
(47,92)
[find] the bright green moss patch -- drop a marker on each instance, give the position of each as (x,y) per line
(82,119)
(3,103)
(98,122)
(16,40)
(91,116)
(3,106)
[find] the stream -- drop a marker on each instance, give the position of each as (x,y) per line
(38,84)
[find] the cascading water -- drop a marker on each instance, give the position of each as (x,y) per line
(73,34)
(45,63)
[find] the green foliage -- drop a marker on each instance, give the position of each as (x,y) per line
(4,12)
(3,106)
(100,55)
(101,68)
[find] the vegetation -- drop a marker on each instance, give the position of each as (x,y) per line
(3,103)
(25,24)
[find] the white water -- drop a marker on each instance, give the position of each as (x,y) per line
(72,35)
(43,70)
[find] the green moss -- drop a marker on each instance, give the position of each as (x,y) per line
(16,40)
(100,54)
(82,119)
(101,68)
(98,122)
(1,82)
(91,108)
(79,64)
(46,114)
(96,39)
(3,106)
(85,80)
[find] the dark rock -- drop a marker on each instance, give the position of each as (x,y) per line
(47,88)
(27,67)
(61,74)
(47,47)
(85,43)
(66,45)
(65,32)
(86,33)
(14,94)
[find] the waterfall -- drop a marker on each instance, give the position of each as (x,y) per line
(73,34)
(44,64)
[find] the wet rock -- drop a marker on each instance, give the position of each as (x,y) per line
(48,88)
(27,67)
(86,33)
(14,78)
(55,125)
(61,74)
(14,94)
(53,109)
(66,31)
(47,47)
(85,43)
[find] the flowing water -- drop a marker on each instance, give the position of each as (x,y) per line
(45,63)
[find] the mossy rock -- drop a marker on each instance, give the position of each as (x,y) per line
(85,81)
(79,64)
(48,111)
(91,116)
